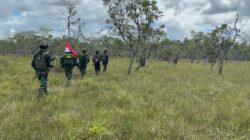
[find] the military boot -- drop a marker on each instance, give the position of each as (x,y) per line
(40,92)
(45,91)
(68,82)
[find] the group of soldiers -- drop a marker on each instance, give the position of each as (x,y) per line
(42,62)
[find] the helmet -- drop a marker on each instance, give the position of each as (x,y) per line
(105,51)
(42,46)
(84,50)
(96,51)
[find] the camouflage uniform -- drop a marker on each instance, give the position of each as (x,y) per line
(97,61)
(105,60)
(68,62)
(175,61)
(83,62)
(41,62)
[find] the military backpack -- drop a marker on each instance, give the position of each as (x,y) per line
(69,60)
(40,61)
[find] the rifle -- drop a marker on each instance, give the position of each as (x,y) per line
(53,58)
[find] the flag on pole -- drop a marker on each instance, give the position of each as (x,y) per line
(69,49)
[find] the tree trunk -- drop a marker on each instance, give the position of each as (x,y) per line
(133,52)
(220,66)
(211,66)
(69,28)
(130,64)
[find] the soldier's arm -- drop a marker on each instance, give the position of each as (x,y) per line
(62,62)
(102,57)
(76,64)
(48,60)
(33,63)
(79,62)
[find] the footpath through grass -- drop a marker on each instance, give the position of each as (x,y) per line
(162,101)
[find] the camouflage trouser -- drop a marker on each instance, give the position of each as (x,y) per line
(68,73)
(97,68)
(83,70)
(105,65)
(43,78)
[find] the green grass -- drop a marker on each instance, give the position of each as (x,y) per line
(159,102)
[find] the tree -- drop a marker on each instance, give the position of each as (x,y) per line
(78,30)
(199,46)
(70,14)
(210,50)
(133,21)
(223,38)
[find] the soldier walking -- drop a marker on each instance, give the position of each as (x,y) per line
(83,62)
(176,59)
(97,61)
(68,62)
(105,60)
(41,63)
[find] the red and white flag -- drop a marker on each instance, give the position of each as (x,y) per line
(69,49)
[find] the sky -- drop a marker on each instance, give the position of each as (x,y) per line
(180,16)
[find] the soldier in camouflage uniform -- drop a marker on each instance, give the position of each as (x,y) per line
(97,63)
(41,62)
(68,62)
(105,60)
(83,62)
(176,59)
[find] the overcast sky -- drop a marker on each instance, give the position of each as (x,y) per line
(180,16)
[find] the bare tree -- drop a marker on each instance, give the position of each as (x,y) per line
(70,14)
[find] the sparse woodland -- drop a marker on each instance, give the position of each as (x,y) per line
(176,95)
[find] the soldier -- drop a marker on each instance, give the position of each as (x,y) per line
(105,60)
(68,62)
(41,62)
(97,61)
(83,62)
(175,61)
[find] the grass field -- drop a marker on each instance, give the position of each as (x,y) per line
(163,101)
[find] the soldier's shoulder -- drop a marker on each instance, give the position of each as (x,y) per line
(37,53)
(46,54)
(72,56)
(34,55)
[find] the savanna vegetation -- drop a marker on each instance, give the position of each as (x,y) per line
(135,32)
(163,101)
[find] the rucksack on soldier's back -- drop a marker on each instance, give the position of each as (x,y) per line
(69,61)
(84,59)
(40,61)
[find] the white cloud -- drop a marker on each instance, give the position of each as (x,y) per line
(180,16)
